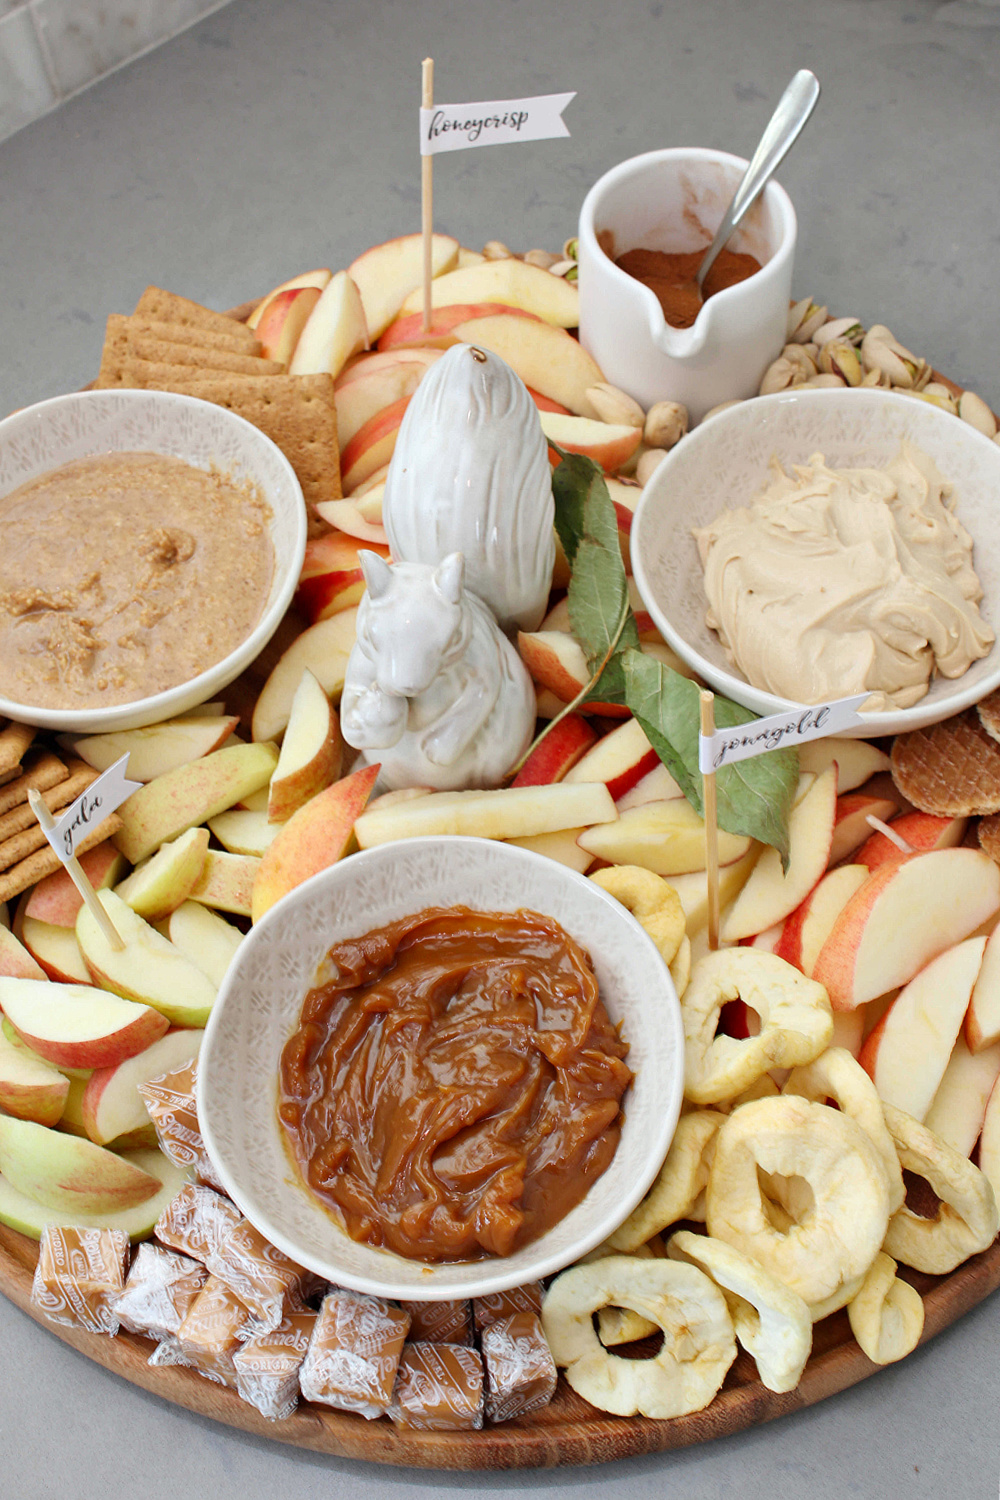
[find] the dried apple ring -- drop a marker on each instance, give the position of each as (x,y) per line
(698,1340)
(887,1315)
(680,968)
(795,1015)
(681,1181)
(842,1297)
(966,1220)
(844,1213)
(655,905)
(835,1074)
(771,1321)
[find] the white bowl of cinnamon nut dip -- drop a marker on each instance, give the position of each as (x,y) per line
(448,1070)
(150,544)
(832,530)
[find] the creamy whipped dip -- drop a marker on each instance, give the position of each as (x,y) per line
(831,582)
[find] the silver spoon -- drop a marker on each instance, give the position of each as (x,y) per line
(794,108)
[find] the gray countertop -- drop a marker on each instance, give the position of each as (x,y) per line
(280,134)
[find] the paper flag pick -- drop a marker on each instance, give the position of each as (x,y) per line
(778,731)
(92,807)
(498,122)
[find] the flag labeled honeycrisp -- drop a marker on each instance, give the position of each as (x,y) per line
(497,122)
(99,799)
(778,731)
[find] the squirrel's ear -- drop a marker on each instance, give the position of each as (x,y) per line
(377,573)
(449,577)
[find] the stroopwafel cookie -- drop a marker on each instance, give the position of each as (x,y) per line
(950,769)
(989,714)
(989,837)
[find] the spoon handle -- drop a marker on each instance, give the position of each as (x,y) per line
(794,108)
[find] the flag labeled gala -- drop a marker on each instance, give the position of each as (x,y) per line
(90,808)
(497,122)
(778,732)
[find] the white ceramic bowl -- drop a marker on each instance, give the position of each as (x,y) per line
(259,1005)
(94,422)
(722,463)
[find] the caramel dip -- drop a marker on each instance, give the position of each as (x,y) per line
(831,582)
(454,1089)
(123,575)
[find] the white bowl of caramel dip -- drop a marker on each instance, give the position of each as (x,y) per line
(832,577)
(150,544)
(433,1002)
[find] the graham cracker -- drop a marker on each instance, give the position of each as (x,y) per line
(44,771)
(192,336)
(296,412)
(111,375)
(46,861)
(193,364)
(167,307)
(950,769)
(21,818)
(14,740)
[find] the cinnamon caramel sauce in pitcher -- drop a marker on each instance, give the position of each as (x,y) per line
(454,1089)
(671,276)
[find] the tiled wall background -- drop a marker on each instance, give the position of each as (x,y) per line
(50,49)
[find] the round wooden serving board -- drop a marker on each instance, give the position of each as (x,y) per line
(569,1431)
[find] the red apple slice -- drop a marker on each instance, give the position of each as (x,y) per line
(609,445)
(331,579)
(226,883)
(66,1173)
(921,831)
(386,274)
(30,1088)
(159,748)
(28,1217)
(546,358)
(283,319)
(56,899)
(349,518)
(318,279)
(656,786)
(621,759)
(56,951)
(149,970)
(693,890)
(336,329)
(806,929)
(372,446)
(359,400)
(558,753)
(78,1025)
(363,365)
(556,662)
(311,751)
(324,649)
(316,836)
(408,334)
(851,827)
(112,1105)
(512,282)
(15,960)
(244,832)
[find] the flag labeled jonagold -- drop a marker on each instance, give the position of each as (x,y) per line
(497,122)
(778,732)
(95,804)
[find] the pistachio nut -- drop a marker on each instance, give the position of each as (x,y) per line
(882,351)
(946,402)
(828,381)
(839,328)
(497,250)
(780,376)
(714,411)
(666,424)
(875,378)
(564,268)
(922,375)
(798,355)
(838,357)
(973,409)
(543,259)
(803,324)
(569,250)
(649,463)
(613,405)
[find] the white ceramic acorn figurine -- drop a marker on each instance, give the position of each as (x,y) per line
(433,690)
(470,474)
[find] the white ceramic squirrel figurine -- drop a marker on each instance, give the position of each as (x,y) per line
(434,689)
(470,474)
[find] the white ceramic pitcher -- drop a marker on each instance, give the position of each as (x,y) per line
(674,200)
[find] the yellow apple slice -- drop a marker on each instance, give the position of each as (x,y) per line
(226,882)
(67,1173)
(665,837)
(244,832)
(336,329)
(157,887)
(29,1217)
(509,813)
(386,274)
(204,937)
(149,969)
(513,282)
(324,649)
(546,358)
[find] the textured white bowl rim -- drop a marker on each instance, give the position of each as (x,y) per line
(286,567)
(946,696)
(385,1274)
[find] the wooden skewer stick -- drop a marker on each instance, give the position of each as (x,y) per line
(78,875)
(427,195)
(711,826)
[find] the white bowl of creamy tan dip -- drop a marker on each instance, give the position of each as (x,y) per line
(150,544)
(816,544)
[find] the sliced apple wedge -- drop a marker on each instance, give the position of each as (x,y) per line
(324,649)
(557,662)
(15,960)
(363,365)
(561,846)
(29,1217)
(30,1087)
(989,1141)
(908,911)
(620,759)
(806,929)
(157,887)
(386,274)
(149,969)
(318,279)
(608,444)
(920,831)
(546,358)
(358,401)
(56,899)
(331,579)
(349,517)
(513,812)
(557,754)
(67,1173)
(282,321)
(907,1053)
(959,1106)
(55,950)
(512,282)
(771,894)
(372,446)
(982,1021)
(207,939)
(76,1024)
(656,786)
(693,890)
(244,832)
(336,329)
(407,335)
(112,1105)
(665,837)
(179,799)
(311,751)
(316,836)
(227,882)
(851,828)
(857,760)
(159,748)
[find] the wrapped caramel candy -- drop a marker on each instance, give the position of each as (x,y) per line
(520,1371)
(267,1366)
(354,1353)
(196,1221)
(80,1273)
(209,1336)
(171,1103)
(439,1388)
(439,1322)
(498,1305)
(159,1292)
(258,1274)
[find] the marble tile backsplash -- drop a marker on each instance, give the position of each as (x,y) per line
(50,49)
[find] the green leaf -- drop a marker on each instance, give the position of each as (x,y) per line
(753,797)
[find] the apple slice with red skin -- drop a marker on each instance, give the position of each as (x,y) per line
(28,1217)
(67,1173)
(546,358)
(907,1053)
(159,747)
(959,1106)
(324,649)
(408,332)
(56,899)
(78,1025)
(331,579)
(557,753)
(656,786)
(386,274)
(857,760)
(149,970)
(908,911)
(363,365)
(851,827)
(55,950)
(15,960)
(515,283)
(112,1105)
(557,662)
(349,518)
(311,751)
(621,759)
(372,445)
(316,836)
(806,929)
(922,831)
(30,1087)
(982,1021)
(609,445)
(227,882)
(360,400)
(319,279)
(283,319)
(336,329)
